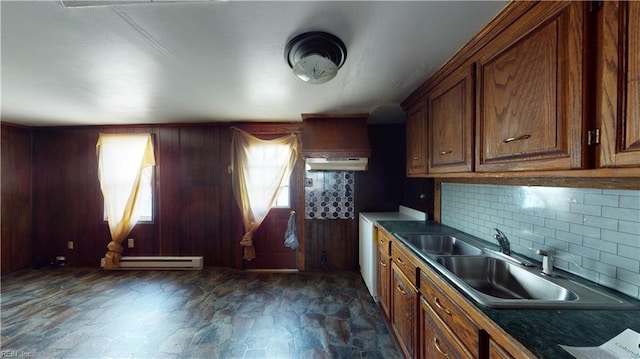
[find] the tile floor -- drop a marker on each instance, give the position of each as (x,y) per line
(213,313)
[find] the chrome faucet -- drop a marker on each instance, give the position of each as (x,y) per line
(505,246)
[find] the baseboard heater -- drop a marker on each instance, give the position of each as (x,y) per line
(168,263)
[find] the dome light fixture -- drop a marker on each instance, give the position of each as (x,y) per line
(315,56)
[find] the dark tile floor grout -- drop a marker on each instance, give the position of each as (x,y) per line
(213,313)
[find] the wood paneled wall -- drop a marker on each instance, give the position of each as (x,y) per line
(195,213)
(16,198)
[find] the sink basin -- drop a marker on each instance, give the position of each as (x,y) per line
(497,280)
(501,279)
(439,244)
(499,283)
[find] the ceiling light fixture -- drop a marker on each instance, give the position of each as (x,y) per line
(315,56)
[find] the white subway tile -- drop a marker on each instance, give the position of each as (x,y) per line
(585,230)
(570,217)
(588,209)
(621,286)
(554,243)
(628,251)
(551,223)
(629,227)
(600,222)
(569,237)
(584,251)
(622,238)
(601,199)
(621,192)
(628,214)
(597,243)
(628,276)
(529,219)
(600,267)
(544,231)
(630,202)
(620,262)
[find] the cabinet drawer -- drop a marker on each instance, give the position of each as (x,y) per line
(450,314)
(404,262)
(437,341)
(497,352)
(384,240)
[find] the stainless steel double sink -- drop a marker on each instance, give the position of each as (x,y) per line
(496,280)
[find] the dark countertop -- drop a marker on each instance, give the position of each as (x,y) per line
(541,330)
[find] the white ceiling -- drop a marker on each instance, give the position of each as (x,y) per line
(204,61)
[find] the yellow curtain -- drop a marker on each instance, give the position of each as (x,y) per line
(259,169)
(125,165)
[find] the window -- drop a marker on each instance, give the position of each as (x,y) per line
(124,163)
(266,162)
(146,209)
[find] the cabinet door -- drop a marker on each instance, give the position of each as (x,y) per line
(618,87)
(450,123)
(530,92)
(403,310)
(416,138)
(384,280)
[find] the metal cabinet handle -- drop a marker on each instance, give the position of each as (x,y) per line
(511,139)
(401,290)
(400,261)
(435,344)
(439,305)
(383,264)
(416,158)
(442,153)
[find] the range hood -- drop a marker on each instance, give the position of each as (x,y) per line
(337,164)
(335,142)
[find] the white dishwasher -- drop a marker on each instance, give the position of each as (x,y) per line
(368,249)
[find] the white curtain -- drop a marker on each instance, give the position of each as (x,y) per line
(125,165)
(260,169)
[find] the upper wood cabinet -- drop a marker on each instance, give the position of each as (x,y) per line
(618,84)
(416,140)
(450,123)
(530,92)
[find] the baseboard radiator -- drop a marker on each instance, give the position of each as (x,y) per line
(167,263)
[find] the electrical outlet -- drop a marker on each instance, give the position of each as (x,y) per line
(130,243)
(70,244)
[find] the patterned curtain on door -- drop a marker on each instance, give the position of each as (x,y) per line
(125,165)
(260,168)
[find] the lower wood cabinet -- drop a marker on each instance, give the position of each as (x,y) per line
(404,303)
(498,352)
(436,339)
(453,317)
(384,281)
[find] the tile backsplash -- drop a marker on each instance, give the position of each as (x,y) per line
(329,195)
(594,233)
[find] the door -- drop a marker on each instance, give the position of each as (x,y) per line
(268,240)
